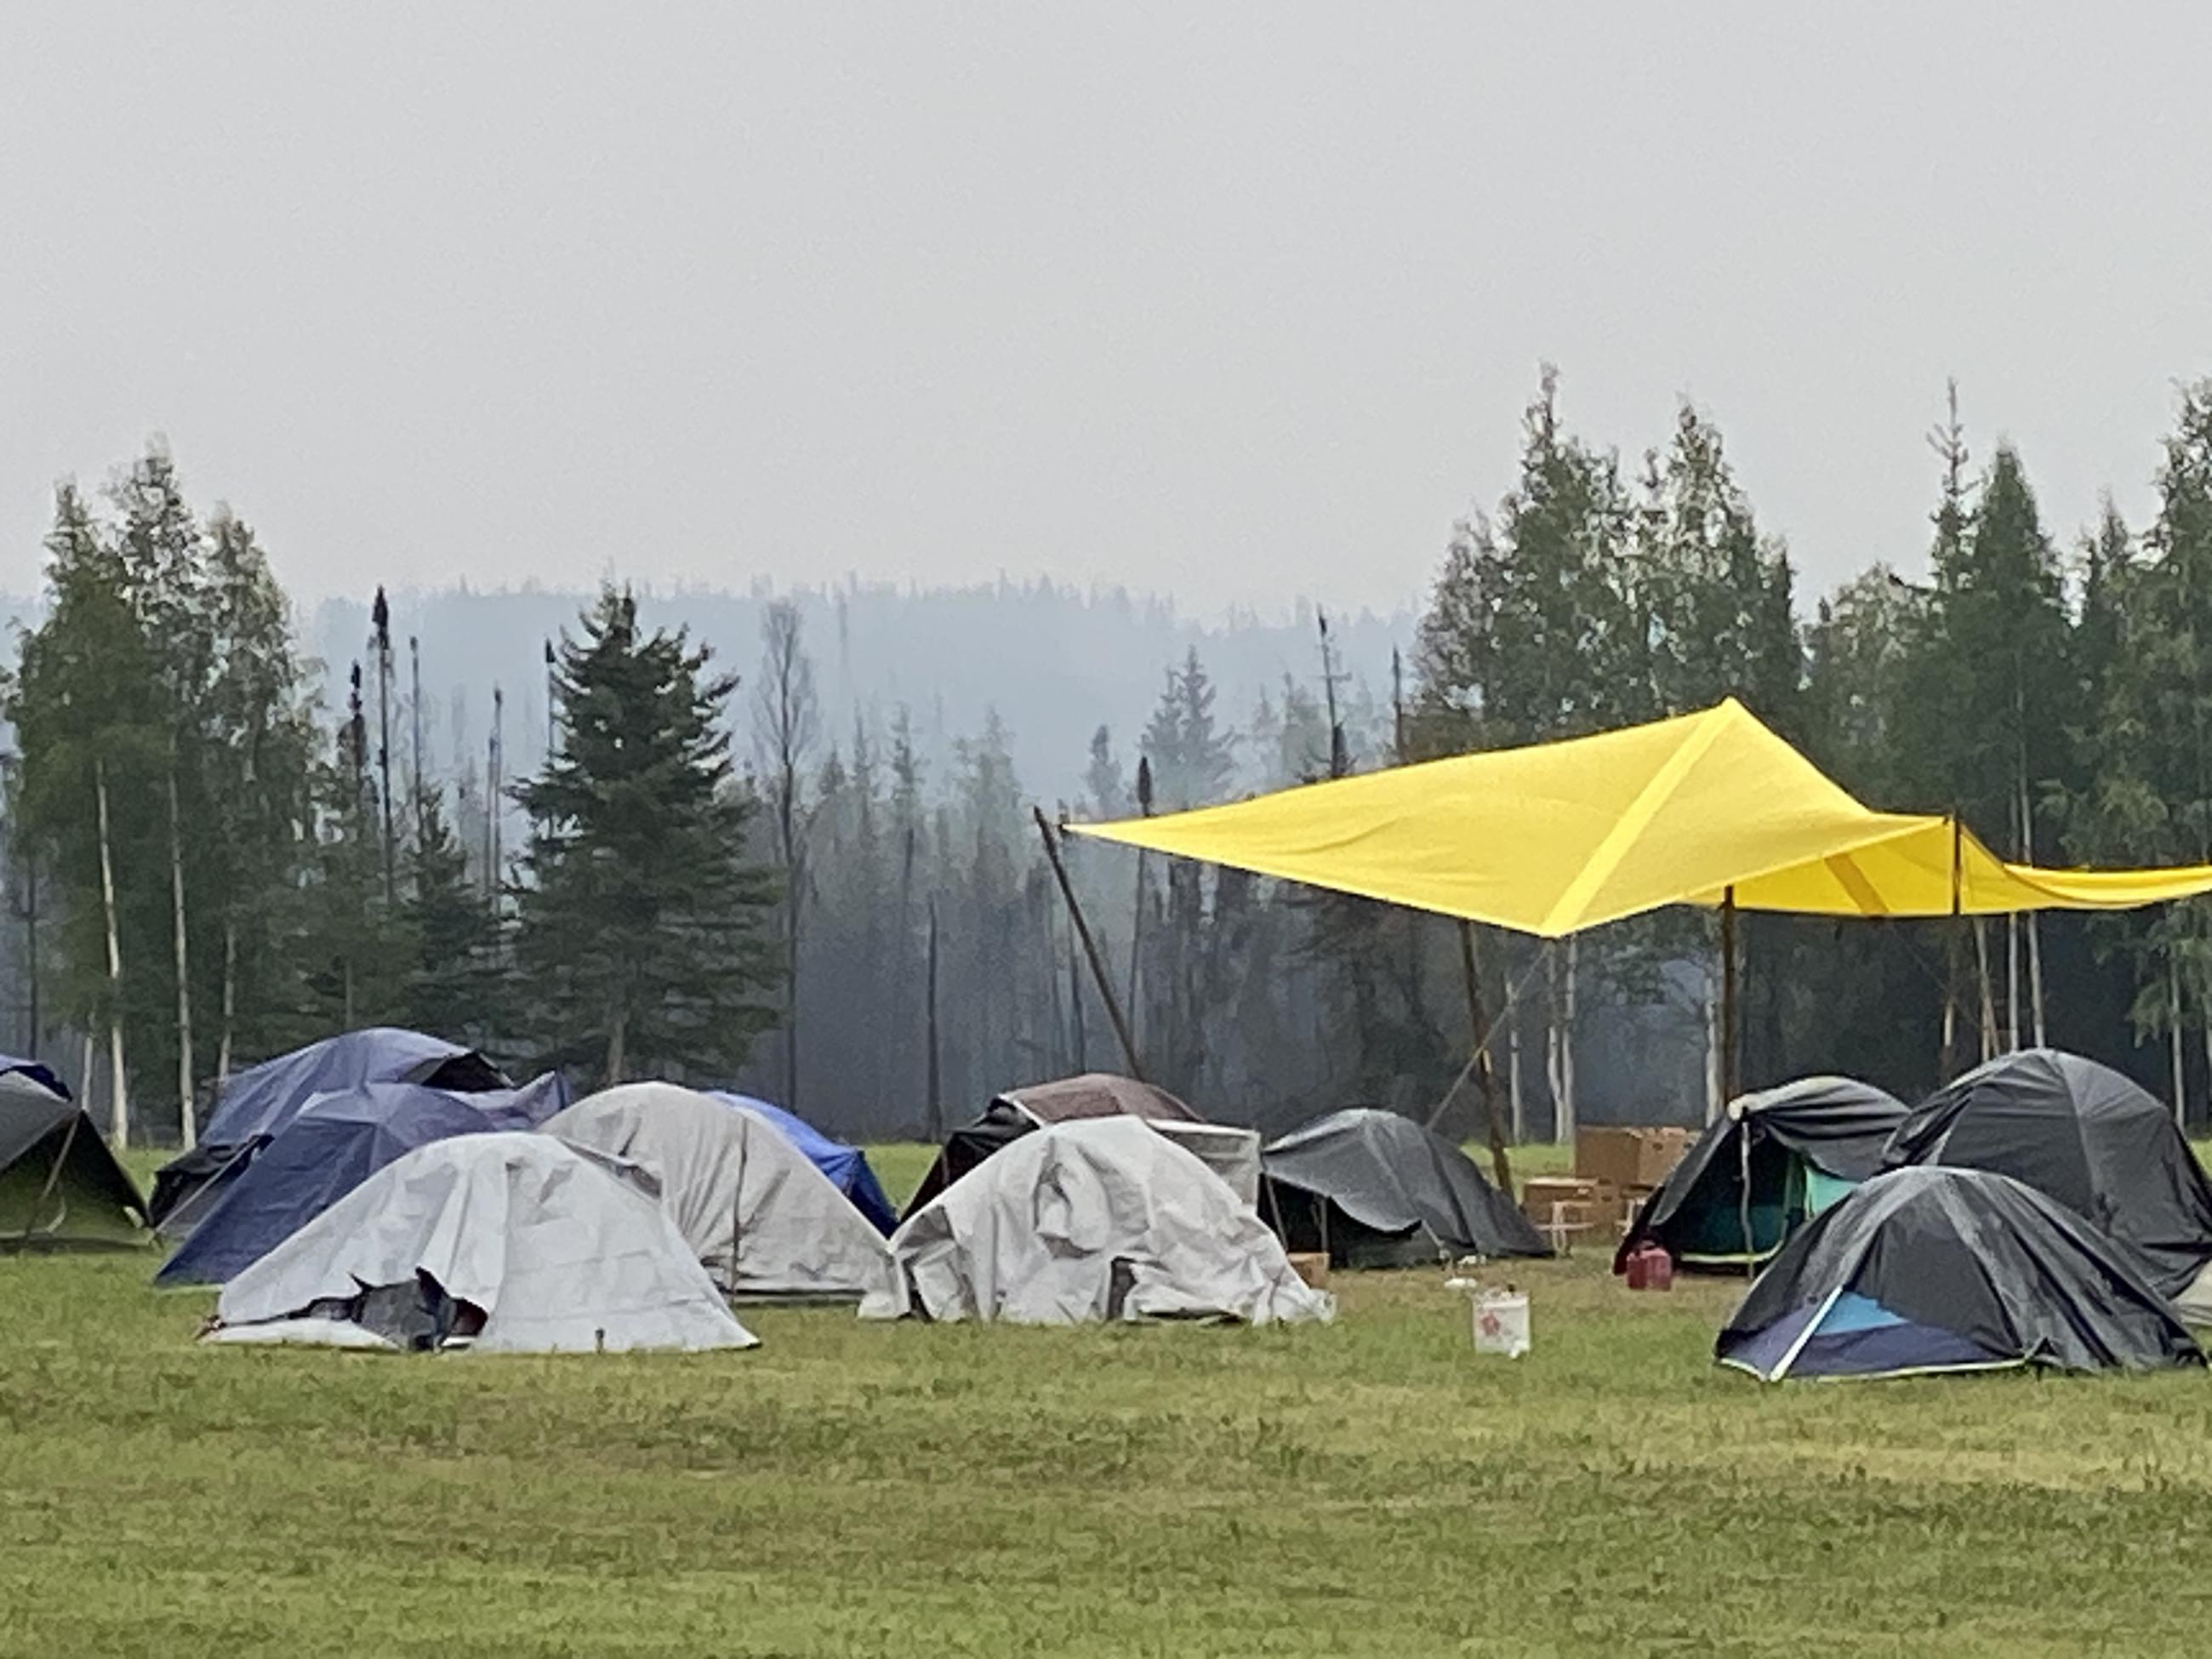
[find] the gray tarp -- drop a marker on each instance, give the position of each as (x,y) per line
(1093,1220)
(1392,1176)
(559,1249)
(754,1209)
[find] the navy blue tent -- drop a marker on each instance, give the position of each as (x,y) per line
(846,1166)
(330,1147)
(261,1099)
(37,1072)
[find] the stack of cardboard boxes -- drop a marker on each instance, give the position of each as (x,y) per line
(1616,1168)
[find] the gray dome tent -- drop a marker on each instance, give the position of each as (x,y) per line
(511,1241)
(1376,1190)
(1796,1148)
(2085,1135)
(1931,1270)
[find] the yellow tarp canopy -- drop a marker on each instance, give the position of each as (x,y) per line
(1560,836)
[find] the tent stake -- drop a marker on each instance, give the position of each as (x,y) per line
(1089,946)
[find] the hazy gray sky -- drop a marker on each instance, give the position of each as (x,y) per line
(1231,302)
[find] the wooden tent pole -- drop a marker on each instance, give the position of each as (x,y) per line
(1728,997)
(1089,946)
(1485,1074)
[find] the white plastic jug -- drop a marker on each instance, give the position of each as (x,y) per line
(1501,1322)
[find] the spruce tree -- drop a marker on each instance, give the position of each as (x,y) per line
(643,942)
(451,934)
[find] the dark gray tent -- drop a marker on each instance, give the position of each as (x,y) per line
(1377,1190)
(1790,1151)
(2085,1135)
(1925,1270)
(59,1184)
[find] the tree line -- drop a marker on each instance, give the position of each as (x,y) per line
(206,864)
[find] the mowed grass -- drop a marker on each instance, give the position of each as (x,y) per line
(1365,1488)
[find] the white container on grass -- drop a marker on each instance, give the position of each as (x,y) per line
(1501,1322)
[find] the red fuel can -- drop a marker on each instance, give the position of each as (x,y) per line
(1651,1268)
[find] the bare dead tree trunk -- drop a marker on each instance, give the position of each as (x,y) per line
(187,1117)
(31,951)
(2012,982)
(2174,1021)
(786,720)
(1946,1055)
(1559,1056)
(380,616)
(934,1088)
(118,1113)
(229,1000)
(617,1045)
(2034,923)
(1987,993)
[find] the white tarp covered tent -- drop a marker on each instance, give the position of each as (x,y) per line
(755,1210)
(557,1249)
(1099,1220)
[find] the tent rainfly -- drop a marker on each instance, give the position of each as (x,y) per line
(258,1102)
(1768,1164)
(1931,1269)
(335,1142)
(506,1242)
(60,1186)
(757,1214)
(2087,1136)
(1375,1189)
(1095,1220)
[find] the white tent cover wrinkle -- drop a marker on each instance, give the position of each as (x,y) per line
(754,1210)
(1098,1219)
(561,1250)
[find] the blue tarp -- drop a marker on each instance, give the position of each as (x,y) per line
(846,1166)
(262,1099)
(333,1143)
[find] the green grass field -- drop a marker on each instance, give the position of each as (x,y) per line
(1366,1487)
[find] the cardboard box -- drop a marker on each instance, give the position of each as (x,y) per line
(1311,1266)
(1628,1158)
(1568,1201)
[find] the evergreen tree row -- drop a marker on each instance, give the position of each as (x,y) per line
(206,865)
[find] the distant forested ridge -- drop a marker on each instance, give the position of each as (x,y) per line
(231,826)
